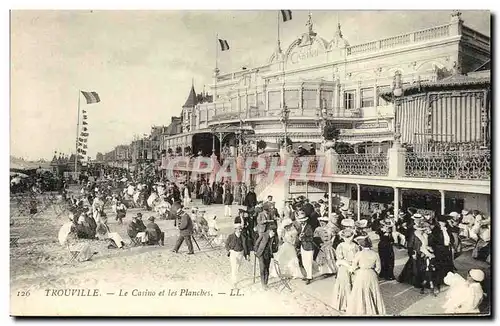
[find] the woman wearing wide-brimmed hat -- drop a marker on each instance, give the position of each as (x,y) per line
(345,253)
(326,255)
(417,242)
(287,254)
(385,249)
(365,298)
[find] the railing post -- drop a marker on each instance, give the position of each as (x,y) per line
(396,162)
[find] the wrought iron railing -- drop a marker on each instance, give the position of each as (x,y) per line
(467,165)
(362,164)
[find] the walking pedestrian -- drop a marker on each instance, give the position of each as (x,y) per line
(265,246)
(306,246)
(185,231)
(236,246)
(365,298)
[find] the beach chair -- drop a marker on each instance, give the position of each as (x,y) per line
(209,239)
(73,255)
(284,281)
(14,238)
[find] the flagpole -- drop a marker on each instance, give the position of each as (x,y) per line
(77,130)
(216,67)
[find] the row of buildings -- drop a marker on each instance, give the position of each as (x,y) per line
(441,106)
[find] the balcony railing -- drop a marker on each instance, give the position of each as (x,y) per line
(470,165)
(362,164)
(459,165)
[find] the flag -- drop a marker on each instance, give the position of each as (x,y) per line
(224,46)
(85,123)
(286,14)
(91,97)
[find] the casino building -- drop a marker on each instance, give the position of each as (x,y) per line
(443,106)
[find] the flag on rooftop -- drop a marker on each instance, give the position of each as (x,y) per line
(224,46)
(286,14)
(91,97)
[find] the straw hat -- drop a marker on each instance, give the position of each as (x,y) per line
(324,219)
(477,275)
(416,216)
(454,214)
(361,224)
(363,241)
(286,222)
(388,222)
(348,223)
(346,233)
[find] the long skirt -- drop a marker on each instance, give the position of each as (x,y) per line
(386,253)
(412,272)
(443,262)
(341,289)
(365,298)
(288,262)
(326,260)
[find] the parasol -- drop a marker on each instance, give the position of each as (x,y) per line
(64,231)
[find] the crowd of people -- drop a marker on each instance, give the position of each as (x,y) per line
(306,240)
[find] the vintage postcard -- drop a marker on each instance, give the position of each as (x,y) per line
(250,163)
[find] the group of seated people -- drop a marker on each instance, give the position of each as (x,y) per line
(145,235)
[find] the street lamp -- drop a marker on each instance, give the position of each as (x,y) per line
(397,92)
(285,112)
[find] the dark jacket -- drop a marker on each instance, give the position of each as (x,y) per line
(237,243)
(265,246)
(228,198)
(250,199)
(153,231)
(135,227)
(185,225)
(306,238)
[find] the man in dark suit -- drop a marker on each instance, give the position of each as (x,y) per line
(250,198)
(306,246)
(135,227)
(265,246)
(185,231)
(154,233)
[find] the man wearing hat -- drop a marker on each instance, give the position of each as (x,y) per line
(262,218)
(312,149)
(154,233)
(136,229)
(467,223)
(250,198)
(385,249)
(236,247)
(306,245)
(185,231)
(301,151)
(265,246)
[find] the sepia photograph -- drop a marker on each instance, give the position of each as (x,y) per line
(257,163)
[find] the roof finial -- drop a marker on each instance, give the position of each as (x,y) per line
(309,24)
(192,81)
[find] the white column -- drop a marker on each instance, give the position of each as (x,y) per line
(443,205)
(358,186)
(329,198)
(396,201)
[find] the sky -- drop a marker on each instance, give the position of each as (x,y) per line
(142,64)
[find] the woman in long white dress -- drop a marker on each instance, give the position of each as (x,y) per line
(365,298)
(287,254)
(326,256)
(187,198)
(345,253)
